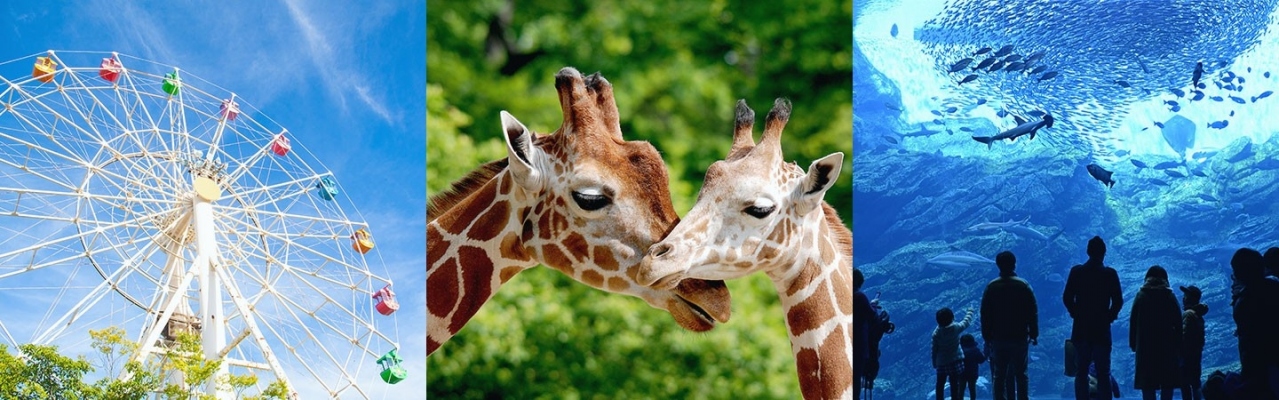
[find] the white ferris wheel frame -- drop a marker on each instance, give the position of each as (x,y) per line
(189,218)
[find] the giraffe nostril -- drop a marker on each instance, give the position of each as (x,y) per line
(660,250)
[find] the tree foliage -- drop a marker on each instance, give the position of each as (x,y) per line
(677,69)
(40,372)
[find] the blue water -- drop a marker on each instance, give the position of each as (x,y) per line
(1189,190)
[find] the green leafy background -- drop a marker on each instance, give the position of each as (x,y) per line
(677,69)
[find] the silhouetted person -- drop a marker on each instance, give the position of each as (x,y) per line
(1154,334)
(862,317)
(1009,322)
(973,357)
(948,358)
(1093,298)
(1192,342)
(1224,386)
(1255,324)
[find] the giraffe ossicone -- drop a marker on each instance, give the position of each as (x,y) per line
(581,200)
(757,213)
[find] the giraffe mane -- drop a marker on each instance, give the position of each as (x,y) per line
(842,235)
(462,188)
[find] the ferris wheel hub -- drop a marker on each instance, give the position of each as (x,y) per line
(207,189)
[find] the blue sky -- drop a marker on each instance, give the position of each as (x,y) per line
(346,78)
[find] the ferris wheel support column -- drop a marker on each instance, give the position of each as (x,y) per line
(212,332)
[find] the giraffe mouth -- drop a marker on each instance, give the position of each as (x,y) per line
(669,282)
(698,311)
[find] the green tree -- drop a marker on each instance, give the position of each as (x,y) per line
(186,360)
(40,372)
(113,347)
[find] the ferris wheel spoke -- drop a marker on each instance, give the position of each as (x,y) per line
(251,322)
(288,241)
(281,215)
(78,108)
(60,261)
(79,236)
(310,334)
(327,301)
(270,188)
(95,295)
(43,128)
(26,166)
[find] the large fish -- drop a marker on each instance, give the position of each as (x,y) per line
(894,30)
(1003,51)
(1199,72)
(959,65)
(995,225)
(1023,128)
(985,63)
(959,258)
(1101,175)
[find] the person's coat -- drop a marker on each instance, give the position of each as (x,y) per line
(1155,335)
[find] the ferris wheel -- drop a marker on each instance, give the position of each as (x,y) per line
(138,196)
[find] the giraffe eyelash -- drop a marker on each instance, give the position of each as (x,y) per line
(759,212)
(591,202)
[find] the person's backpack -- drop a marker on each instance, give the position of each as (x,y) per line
(880,324)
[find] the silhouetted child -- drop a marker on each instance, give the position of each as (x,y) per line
(1192,320)
(973,357)
(948,359)
(1224,386)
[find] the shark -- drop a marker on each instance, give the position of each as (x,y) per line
(1023,128)
(1028,232)
(996,225)
(959,258)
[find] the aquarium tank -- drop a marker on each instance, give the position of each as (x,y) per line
(1145,122)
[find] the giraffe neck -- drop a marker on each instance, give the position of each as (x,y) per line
(817,294)
(472,249)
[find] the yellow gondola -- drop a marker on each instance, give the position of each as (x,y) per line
(44,69)
(363,241)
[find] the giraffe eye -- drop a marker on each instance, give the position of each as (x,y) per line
(591,201)
(760,212)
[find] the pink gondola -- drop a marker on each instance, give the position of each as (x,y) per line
(230,109)
(386,301)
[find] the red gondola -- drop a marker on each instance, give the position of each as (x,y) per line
(110,69)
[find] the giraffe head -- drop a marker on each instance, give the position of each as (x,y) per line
(750,213)
(590,203)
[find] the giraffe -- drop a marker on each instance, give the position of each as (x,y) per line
(757,213)
(581,200)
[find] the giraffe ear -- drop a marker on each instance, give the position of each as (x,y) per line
(821,176)
(520,153)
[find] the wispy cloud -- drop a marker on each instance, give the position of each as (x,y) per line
(340,78)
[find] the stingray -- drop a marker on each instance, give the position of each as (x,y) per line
(1179,132)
